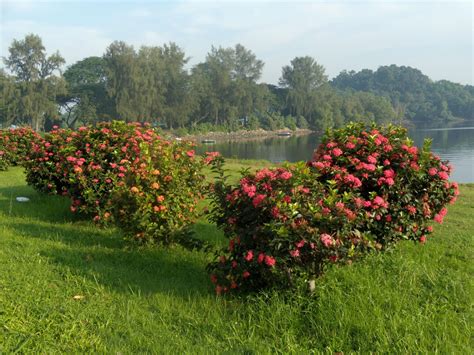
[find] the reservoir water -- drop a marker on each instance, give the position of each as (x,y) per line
(454,143)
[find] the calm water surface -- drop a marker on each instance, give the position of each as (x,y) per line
(455,144)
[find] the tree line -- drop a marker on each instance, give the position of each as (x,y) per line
(152,84)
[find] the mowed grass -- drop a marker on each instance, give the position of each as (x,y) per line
(416,299)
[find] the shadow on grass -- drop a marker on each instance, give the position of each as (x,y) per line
(78,235)
(41,206)
(139,271)
(102,256)
(210,233)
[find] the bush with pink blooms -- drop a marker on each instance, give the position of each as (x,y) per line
(87,164)
(284,227)
(15,145)
(401,187)
(365,189)
(120,170)
(158,198)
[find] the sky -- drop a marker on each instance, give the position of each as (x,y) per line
(433,36)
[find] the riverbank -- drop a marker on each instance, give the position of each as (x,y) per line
(241,135)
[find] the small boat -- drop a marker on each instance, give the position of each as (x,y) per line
(208,141)
(283,134)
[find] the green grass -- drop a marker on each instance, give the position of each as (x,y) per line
(416,299)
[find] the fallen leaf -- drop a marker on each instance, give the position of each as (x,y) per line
(78,297)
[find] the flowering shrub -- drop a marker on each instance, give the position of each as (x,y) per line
(284,227)
(364,190)
(15,145)
(401,187)
(86,164)
(159,195)
(120,170)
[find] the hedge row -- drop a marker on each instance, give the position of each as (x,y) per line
(364,190)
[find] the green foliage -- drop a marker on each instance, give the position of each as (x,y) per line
(290,122)
(273,121)
(301,122)
(303,78)
(225,87)
(253,122)
(9,105)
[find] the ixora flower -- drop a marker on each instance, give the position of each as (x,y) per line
(337,152)
(249,255)
(257,201)
(327,240)
(269,260)
(285,175)
(295,253)
(211,156)
(364,190)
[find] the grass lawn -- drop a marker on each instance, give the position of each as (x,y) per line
(416,299)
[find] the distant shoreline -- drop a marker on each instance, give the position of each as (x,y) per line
(242,135)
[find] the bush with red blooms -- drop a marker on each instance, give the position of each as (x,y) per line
(15,145)
(158,197)
(401,187)
(365,189)
(120,170)
(284,226)
(86,164)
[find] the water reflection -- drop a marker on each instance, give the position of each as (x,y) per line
(455,143)
(275,149)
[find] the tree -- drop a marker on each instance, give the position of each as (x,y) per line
(9,102)
(35,73)
(303,77)
(86,100)
(178,101)
(246,65)
(148,85)
(225,86)
(122,84)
